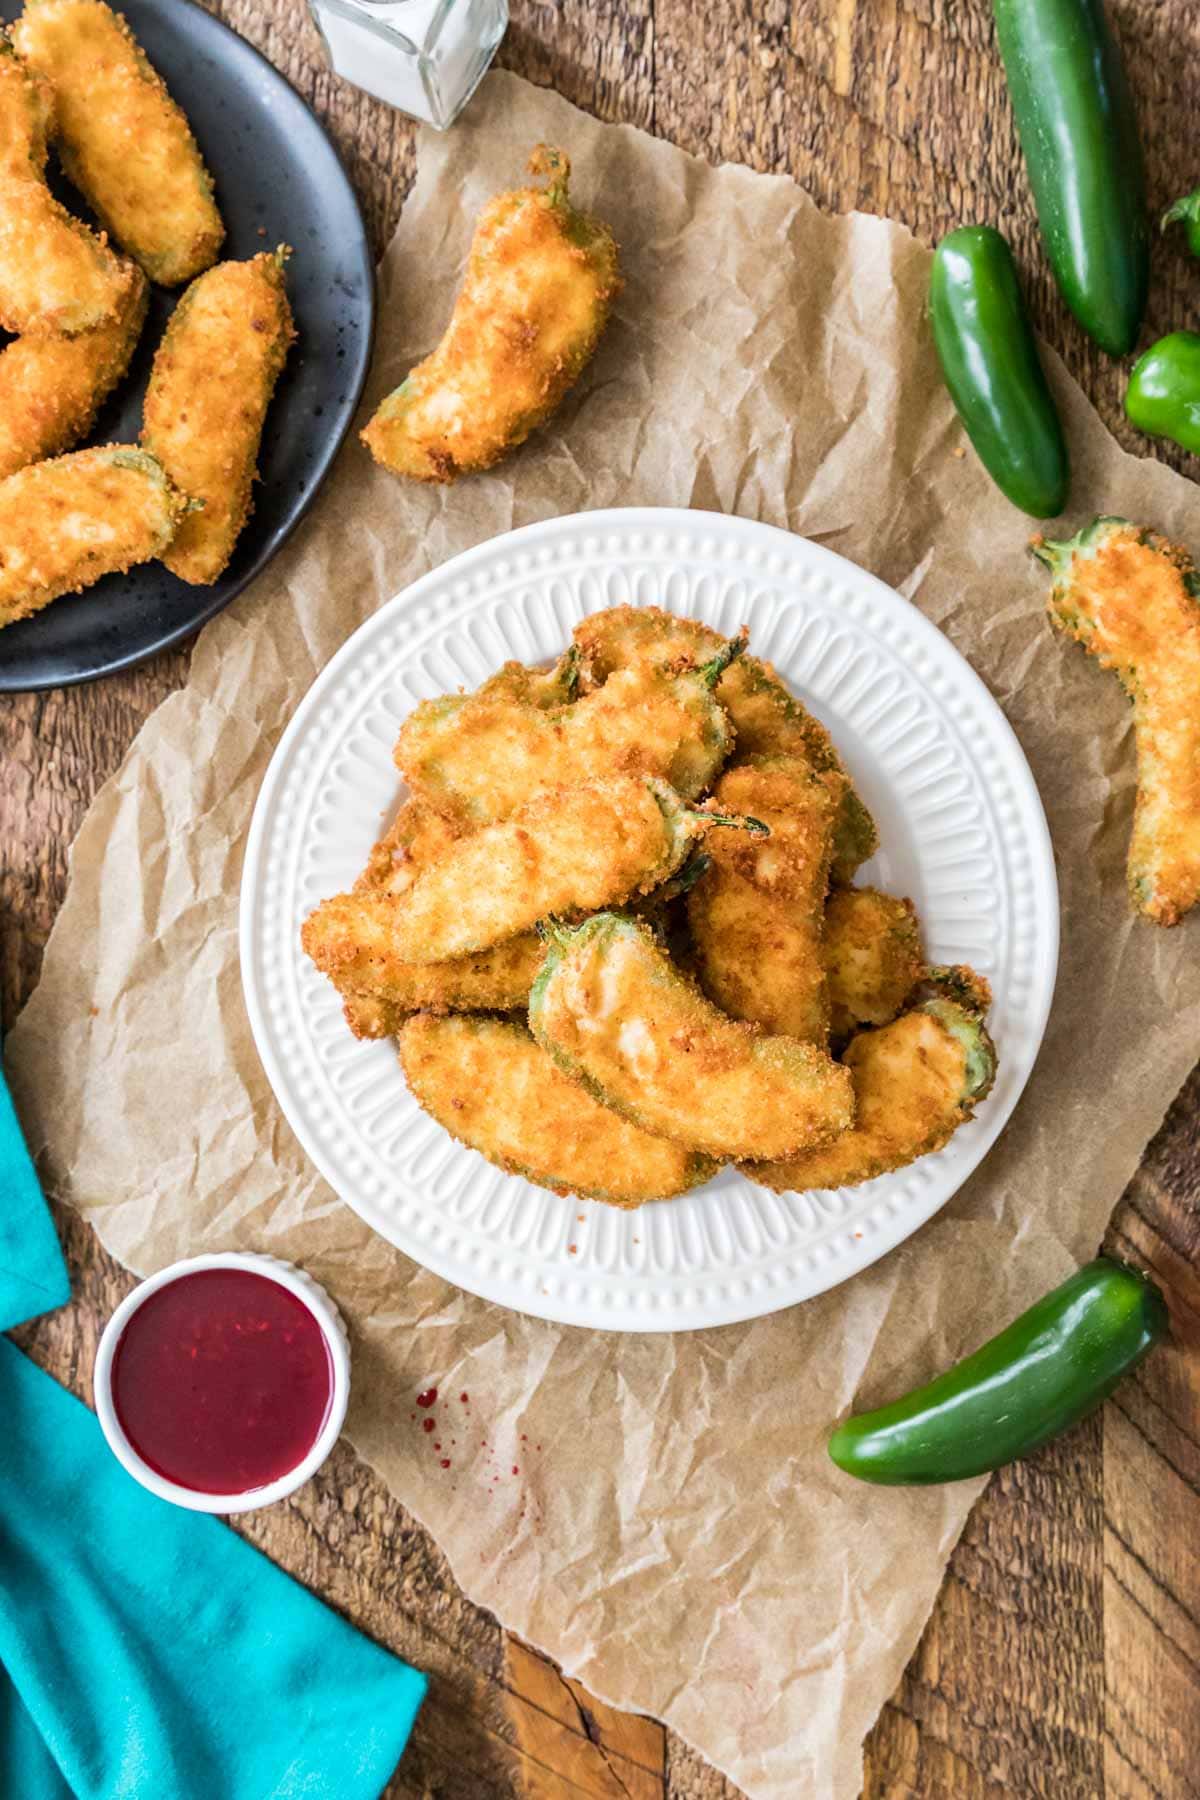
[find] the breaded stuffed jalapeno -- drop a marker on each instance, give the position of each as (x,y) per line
(478,757)
(1133,601)
(52,386)
(123,141)
(440,732)
(490,1086)
(872,954)
(615,1013)
(915,1082)
(55,274)
(416,837)
(351,938)
(767,719)
(212,381)
(757,918)
(571,850)
(540,282)
(64,524)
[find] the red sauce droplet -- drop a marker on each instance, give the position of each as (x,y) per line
(466,1399)
(437,1446)
(445,1462)
(428,1424)
(222,1381)
(427,1398)
(516,1471)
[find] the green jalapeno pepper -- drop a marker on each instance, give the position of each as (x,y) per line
(1187,212)
(990,361)
(1163,396)
(1075,119)
(1050,1367)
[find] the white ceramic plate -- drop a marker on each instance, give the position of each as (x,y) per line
(962,832)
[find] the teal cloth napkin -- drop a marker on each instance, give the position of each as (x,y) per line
(147,1653)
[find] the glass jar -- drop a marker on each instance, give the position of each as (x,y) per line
(424,57)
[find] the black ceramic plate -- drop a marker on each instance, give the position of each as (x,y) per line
(278,181)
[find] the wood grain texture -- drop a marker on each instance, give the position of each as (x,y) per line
(1063,1657)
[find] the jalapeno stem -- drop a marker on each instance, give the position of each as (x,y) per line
(711,672)
(735,822)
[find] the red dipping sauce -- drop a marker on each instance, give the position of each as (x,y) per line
(222,1381)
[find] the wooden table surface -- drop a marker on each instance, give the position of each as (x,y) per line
(1063,1657)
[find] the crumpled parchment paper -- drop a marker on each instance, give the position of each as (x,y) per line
(675,1535)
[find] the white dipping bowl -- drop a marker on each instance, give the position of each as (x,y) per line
(313,1296)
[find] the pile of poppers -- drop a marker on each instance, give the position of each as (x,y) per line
(614,932)
(72,74)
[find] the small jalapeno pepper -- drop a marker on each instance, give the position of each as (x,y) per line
(1050,1367)
(991,366)
(1075,119)
(1187,213)
(1163,396)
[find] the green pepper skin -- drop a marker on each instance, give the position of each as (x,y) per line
(1186,210)
(1075,119)
(1163,396)
(1048,1369)
(991,366)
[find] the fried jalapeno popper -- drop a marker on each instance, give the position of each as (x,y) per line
(540,281)
(64,524)
(569,850)
(915,1082)
(767,719)
(211,385)
(757,917)
(872,954)
(51,386)
(491,1087)
(1133,601)
(351,939)
(122,139)
(478,757)
(416,837)
(55,274)
(616,1014)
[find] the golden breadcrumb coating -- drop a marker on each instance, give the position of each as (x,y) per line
(352,939)
(370,1017)
(570,850)
(757,917)
(478,757)
(615,1013)
(872,953)
(205,407)
(540,281)
(64,524)
(416,837)
(52,386)
(55,274)
(491,1087)
(26,116)
(767,720)
(349,938)
(915,1082)
(1133,601)
(123,141)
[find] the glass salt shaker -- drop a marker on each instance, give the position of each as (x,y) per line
(424,57)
